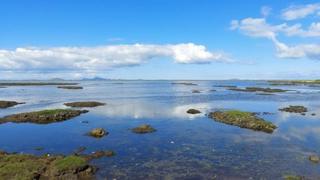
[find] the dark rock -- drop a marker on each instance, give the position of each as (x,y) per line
(85,104)
(294,109)
(226,86)
(193,111)
(185,83)
(7,104)
(196,91)
(70,87)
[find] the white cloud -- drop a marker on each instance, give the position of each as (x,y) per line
(258,27)
(302,11)
(102,57)
(311,51)
(265,11)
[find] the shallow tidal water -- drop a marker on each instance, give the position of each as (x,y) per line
(184,146)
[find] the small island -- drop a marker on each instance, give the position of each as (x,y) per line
(43,117)
(243,119)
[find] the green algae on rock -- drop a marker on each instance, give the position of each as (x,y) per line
(7,104)
(293,177)
(143,129)
(43,117)
(98,133)
(70,87)
(294,109)
(243,119)
(314,158)
(193,111)
(28,167)
(84,104)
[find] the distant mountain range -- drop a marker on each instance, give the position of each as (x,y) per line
(94,79)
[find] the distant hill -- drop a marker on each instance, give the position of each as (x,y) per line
(94,79)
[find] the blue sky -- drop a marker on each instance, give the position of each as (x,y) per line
(160,39)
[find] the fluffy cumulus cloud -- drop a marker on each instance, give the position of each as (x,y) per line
(102,57)
(302,11)
(259,27)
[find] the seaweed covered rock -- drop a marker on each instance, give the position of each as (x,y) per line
(98,133)
(193,111)
(23,166)
(314,158)
(258,89)
(85,104)
(100,154)
(70,87)
(143,129)
(43,117)
(243,119)
(293,177)
(294,109)
(7,104)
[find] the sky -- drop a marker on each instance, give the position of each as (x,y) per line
(160,39)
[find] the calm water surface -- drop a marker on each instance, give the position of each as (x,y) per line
(184,146)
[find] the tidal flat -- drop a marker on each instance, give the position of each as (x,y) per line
(180,143)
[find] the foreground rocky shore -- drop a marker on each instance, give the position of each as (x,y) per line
(30,167)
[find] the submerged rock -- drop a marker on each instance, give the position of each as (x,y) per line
(185,83)
(258,89)
(145,128)
(193,111)
(7,104)
(98,133)
(196,91)
(100,154)
(70,87)
(243,119)
(43,117)
(226,86)
(23,166)
(294,109)
(314,158)
(85,104)
(80,150)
